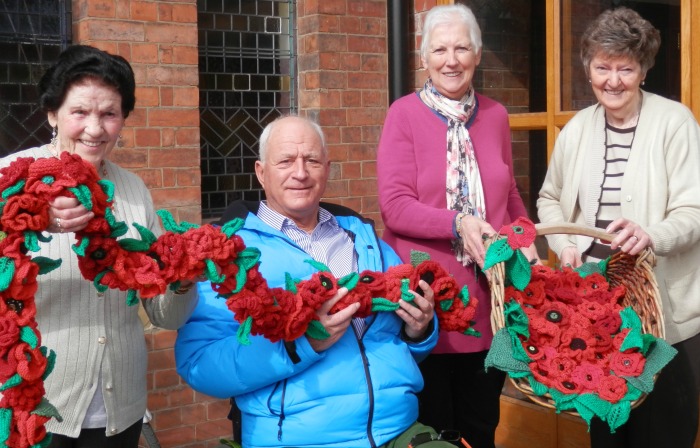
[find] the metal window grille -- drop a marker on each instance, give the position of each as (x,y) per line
(32,35)
(247,79)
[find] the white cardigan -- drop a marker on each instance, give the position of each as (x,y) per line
(90,333)
(660,192)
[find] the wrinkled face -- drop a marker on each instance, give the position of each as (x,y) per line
(89,120)
(451,59)
(615,82)
(295,171)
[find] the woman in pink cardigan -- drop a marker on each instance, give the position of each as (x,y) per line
(445,179)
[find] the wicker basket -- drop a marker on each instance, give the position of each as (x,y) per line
(635,273)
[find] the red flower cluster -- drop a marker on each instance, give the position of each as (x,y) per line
(574,333)
(286,314)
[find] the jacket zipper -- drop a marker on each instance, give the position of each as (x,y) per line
(370,389)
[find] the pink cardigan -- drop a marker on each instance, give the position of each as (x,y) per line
(411,171)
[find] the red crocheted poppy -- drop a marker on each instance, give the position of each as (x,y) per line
(318,289)
(30,428)
(542,332)
(25,396)
(393,279)
(31,363)
(609,323)
(9,335)
(13,173)
(588,376)
(521,233)
(612,388)
(603,339)
(23,285)
(619,338)
(627,364)
(24,212)
(101,254)
(459,317)
(579,344)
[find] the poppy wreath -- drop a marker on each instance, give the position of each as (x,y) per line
(567,333)
(146,267)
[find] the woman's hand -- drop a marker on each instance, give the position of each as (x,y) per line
(570,257)
(531,254)
(335,324)
(631,238)
(67,215)
(418,317)
(473,232)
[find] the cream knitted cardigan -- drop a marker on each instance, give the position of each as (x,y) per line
(92,333)
(660,192)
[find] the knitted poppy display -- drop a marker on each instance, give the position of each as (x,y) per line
(145,267)
(568,334)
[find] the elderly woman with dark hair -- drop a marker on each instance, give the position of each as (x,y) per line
(446,179)
(98,383)
(631,164)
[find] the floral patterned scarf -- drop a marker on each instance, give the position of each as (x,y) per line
(464,190)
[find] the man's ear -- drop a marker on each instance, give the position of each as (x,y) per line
(259,172)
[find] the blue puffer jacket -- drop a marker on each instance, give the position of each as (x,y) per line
(358,393)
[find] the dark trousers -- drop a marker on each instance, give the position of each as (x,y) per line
(459,394)
(668,417)
(96,438)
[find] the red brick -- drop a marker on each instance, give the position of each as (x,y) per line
(185,55)
(195,413)
(164,339)
(370,204)
(171,33)
(336,189)
(166,418)
(330,98)
(173,117)
(165,12)
(367,8)
(129,157)
(101,8)
(188,177)
(187,136)
(351,62)
(166,378)
(332,7)
(158,400)
(115,30)
(374,98)
(327,24)
(176,197)
(374,63)
(176,436)
(351,170)
(371,134)
(181,395)
(168,138)
(333,80)
(352,203)
(311,80)
(172,76)
(366,80)
(372,26)
(326,43)
(218,409)
(366,116)
(166,96)
(145,137)
(351,134)
(338,152)
(362,187)
(350,25)
(185,13)
(144,53)
(363,152)
(189,214)
(309,99)
(369,169)
(213,429)
(153,177)
(144,11)
(147,96)
(174,157)
(366,44)
(329,61)
(335,171)
(332,117)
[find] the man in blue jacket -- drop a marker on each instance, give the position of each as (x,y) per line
(356,388)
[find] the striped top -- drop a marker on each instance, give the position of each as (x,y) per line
(618,144)
(328,243)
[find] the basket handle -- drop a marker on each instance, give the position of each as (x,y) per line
(573,229)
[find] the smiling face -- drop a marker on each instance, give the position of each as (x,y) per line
(451,59)
(295,171)
(89,120)
(615,82)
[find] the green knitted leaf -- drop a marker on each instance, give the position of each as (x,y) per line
(660,354)
(241,277)
(497,252)
(98,278)
(316,330)
(516,319)
(50,356)
(46,264)
(5,422)
(248,257)
(107,187)
(619,414)
(146,234)
(405,290)
(349,281)
(83,195)
(472,332)
(28,335)
(589,405)
(382,304)
(563,401)
(518,270)
(244,331)
(43,238)
(11,382)
(7,272)
(118,228)
(45,442)
(16,188)
(648,341)
(134,245)
(212,271)
(46,409)
(500,355)
(630,319)
(632,340)
(289,283)
(538,388)
(79,248)
(318,265)
(230,228)
(131,298)
(169,223)
(464,295)
(417,257)
(445,305)
(589,268)
(31,242)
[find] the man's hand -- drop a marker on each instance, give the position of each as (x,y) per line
(335,324)
(418,317)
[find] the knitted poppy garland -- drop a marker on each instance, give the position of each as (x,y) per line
(568,334)
(145,267)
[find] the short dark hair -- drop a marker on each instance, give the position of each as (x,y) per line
(80,62)
(621,32)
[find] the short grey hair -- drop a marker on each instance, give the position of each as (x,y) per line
(267,131)
(441,15)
